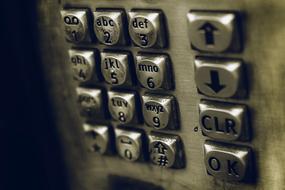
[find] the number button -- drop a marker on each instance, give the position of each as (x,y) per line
(76,25)
(108,27)
(166,150)
(147,29)
(83,65)
(153,71)
(122,106)
(90,103)
(160,111)
(97,138)
(115,68)
(129,144)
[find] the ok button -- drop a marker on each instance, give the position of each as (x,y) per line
(221,78)
(222,121)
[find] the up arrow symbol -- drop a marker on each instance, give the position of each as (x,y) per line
(209,30)
(215,82)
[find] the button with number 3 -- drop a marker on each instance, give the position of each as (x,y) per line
(146,28)
(122,106)
(153,71)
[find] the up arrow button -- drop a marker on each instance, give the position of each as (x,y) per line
(221,78)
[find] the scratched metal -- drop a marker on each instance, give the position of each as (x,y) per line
(264,36)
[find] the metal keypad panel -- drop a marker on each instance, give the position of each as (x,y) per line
(139,82)
(115,72)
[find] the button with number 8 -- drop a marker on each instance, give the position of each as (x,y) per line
(153,71)
(122,106)
(160,111)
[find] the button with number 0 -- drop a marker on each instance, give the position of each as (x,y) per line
(153,71)
(129,144)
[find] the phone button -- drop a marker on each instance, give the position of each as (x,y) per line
(213,31)
(83,65)
(76,25)
(221,78)
(228,162)
(97,138)
(153,71)
(129,144)
(115,68)
(108,27)
(160,111)
(166,150)
(224,121)
(122,106)
(146,28)
(91,103)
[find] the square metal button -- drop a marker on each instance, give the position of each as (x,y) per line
(115,68)
(154,71)
(75,23)
(129,144)
(83,65)
(221,78)
(108,26)
(160,111)
(224,121)
(166,150)
(228,162)
(146,28)
(214,31)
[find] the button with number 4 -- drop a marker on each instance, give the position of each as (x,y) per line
(115,68)
(146,28)
(153,71)
(83,65)
(129,144)
(160,111)
(122,106)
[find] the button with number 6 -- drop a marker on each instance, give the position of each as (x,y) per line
(160,111)
(122,106)
(153,71)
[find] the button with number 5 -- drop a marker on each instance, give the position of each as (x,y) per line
(160,112)
(153,71)
(122,106)
(146,28)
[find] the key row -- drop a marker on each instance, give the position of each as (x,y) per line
(224,161)
(118,68)
(209,31)
(159,111)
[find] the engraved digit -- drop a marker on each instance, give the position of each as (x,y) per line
(74,35)
(156,121)
(144,39)
(150,82)
(81,74)
(107,37)
(122,117)
(114,78)
(128,154)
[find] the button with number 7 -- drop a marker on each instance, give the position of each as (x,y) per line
(154,71)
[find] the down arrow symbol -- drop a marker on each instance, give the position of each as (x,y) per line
(215,82)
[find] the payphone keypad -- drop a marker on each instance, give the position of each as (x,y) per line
(211,32)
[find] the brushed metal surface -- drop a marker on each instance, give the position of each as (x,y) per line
(264,33)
